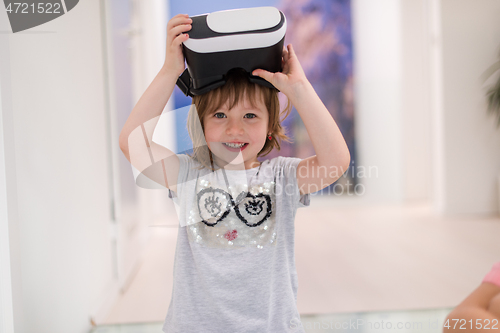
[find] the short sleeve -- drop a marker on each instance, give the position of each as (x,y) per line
(494,275)
(288,170)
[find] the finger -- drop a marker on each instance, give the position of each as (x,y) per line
(291,51)
(176,31)
(178,19)
(180,39)
(268,76)
(179,23)
(286,55)
(181,15)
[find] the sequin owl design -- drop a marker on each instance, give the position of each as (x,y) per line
(214,205)
(256,209)
(237,219)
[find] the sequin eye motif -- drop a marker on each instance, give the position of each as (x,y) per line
(214,205)
(254,209)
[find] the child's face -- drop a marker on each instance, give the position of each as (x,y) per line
(243,124)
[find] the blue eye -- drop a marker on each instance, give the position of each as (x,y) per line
(219,113)
(251,114)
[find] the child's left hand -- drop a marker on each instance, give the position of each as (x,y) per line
(291,78)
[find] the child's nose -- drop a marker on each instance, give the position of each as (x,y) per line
(235,127)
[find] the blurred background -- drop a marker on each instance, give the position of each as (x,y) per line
(408,232)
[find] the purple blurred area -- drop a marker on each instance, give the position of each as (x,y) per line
(320,32)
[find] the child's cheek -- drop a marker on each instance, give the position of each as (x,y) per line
(494,306)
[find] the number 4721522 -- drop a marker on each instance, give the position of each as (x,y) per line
(24,8)
(478,324)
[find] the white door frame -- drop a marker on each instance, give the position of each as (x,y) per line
(11,309)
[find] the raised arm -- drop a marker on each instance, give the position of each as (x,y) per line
(156,162)
(332,155)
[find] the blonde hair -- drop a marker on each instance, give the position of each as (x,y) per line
(237,87)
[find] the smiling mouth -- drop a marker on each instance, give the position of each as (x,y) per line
(235,145)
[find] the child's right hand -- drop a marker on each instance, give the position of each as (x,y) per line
(176,28)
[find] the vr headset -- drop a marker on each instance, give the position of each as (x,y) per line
(248,38)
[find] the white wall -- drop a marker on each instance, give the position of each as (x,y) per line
(151,19)
(9,240)
(416,101)
(420,102)
(470,144)
(137,44)
(393,114)
(65,239)
(378,88)
(59,174)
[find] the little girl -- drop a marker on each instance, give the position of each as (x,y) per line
(234,266)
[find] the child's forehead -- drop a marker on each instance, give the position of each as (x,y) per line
(245,103)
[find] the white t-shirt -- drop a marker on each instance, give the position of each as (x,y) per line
(234,268)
